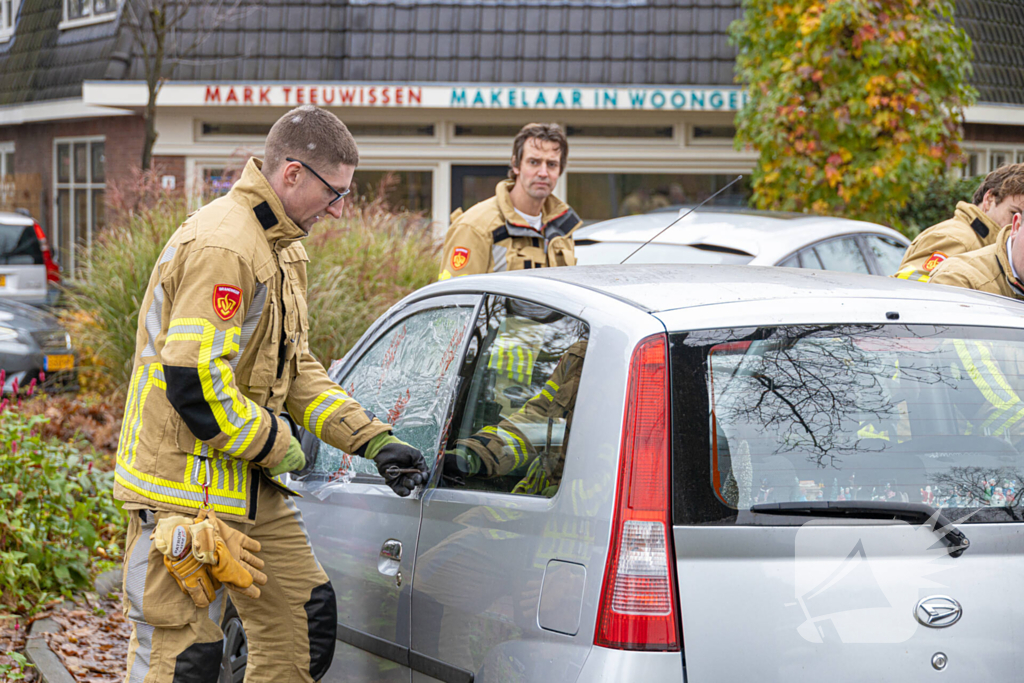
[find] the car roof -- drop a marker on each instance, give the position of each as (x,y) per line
(767,236)
(11,218)
(656,288)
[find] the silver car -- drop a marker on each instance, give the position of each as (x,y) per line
(744,237)
(25,260)
(681,473)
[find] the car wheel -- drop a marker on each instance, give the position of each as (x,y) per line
(236,647)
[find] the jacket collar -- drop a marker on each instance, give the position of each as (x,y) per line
(1004,260)
(254,192)
(553,206)
(971,214)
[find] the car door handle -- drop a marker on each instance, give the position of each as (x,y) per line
(390,557)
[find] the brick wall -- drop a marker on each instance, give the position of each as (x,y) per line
(171,165)
(33,151)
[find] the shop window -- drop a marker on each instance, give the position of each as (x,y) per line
(80,198)
(8,14)
(599,196)
(999,158)
(81,12)
(217,181)
(401,190)
(704,135)
(386,130)
(473,130)
(971,166)
(616,132)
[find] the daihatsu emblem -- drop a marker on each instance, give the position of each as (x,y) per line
(938,611)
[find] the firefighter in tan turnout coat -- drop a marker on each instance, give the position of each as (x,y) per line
(523,225)
(221,351)
(972,226)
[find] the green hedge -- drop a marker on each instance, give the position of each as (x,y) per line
(58,519)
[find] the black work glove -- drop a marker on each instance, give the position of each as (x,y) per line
(389,452)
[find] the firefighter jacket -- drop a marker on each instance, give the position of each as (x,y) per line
(986,270)
(492,238)
(221,349)
(970,228)
(503,448)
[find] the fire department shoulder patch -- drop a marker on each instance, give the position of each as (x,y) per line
(933,261)
(226,300)
(460,257)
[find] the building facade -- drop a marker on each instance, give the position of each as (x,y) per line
(433,91)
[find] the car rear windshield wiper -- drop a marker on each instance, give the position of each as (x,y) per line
(917,513)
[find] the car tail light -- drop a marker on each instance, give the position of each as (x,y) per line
(639,604)
(52,268)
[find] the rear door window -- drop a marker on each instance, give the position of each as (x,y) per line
(887,252)
(842,254)
(19,246)
(892,413)
(513,430)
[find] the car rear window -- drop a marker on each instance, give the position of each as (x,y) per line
(892,413)
(19,246)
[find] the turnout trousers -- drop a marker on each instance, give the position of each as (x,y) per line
(290,628)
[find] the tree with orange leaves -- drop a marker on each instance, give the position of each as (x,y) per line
(855,105)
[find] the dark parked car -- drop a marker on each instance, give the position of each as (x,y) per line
(33,342)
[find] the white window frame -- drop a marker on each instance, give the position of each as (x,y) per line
(5,149)
(71,185)
(67,22)
(6,190)
(7,22)
(985,152)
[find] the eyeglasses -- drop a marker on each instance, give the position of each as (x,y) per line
(339,195)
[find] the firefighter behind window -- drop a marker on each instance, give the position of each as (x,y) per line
(515,447)
(221,350)
(524,225)
(973,226)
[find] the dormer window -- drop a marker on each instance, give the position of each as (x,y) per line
(8,13)
(84,12)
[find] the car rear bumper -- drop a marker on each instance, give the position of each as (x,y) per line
(604,665)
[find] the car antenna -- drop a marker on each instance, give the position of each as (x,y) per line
(734,181)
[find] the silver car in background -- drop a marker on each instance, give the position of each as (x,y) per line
(729,235)
(759,474)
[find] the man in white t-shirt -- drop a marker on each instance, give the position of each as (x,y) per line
(523,225)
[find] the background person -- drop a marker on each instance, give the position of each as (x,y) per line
(973,226)
(523,225)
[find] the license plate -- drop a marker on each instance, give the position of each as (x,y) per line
(3,280)
(64,361)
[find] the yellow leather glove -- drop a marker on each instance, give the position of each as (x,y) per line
(239,550)
(193,578)
(171,536)
(236,575)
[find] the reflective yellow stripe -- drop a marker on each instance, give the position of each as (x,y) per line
(992,384)
(214,370)
(913,274)
(321,408)
(512,440)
